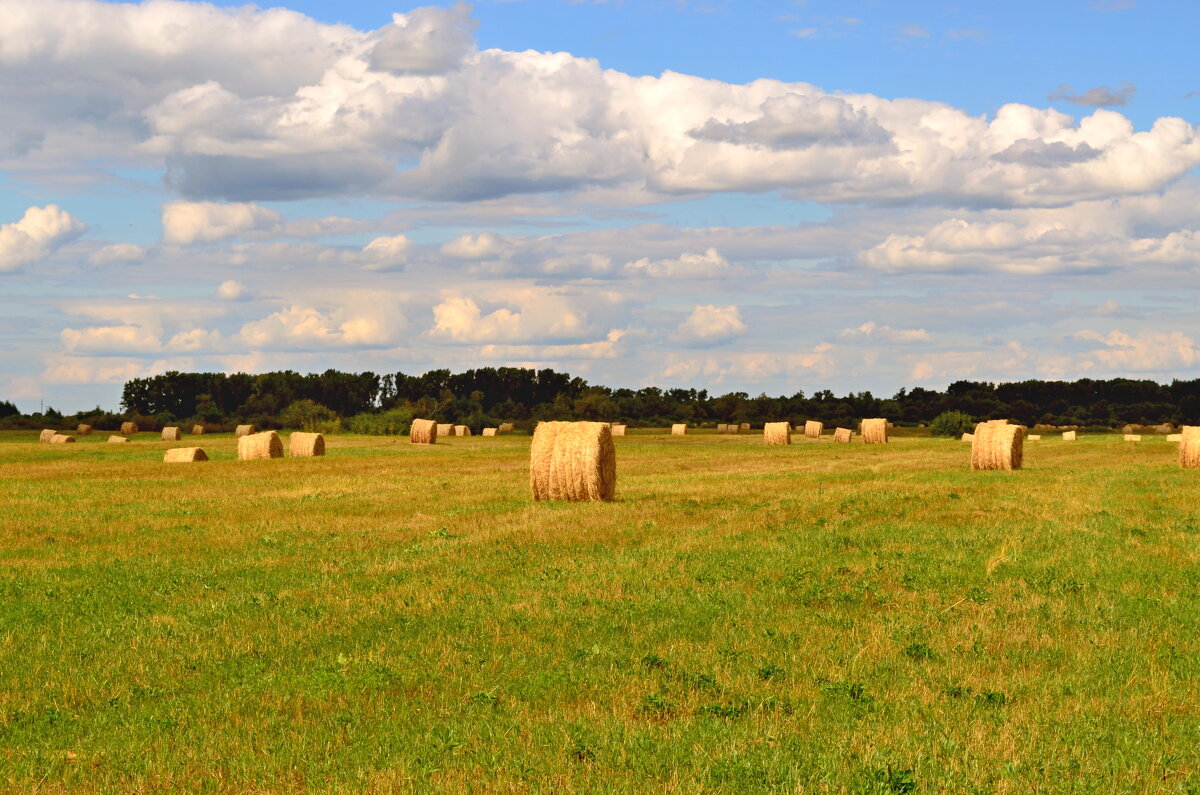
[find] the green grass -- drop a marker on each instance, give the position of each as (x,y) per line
(743,619)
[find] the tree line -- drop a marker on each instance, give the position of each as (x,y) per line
(368,402)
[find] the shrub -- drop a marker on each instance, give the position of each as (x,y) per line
(394,422)
(310,416)
(951,423)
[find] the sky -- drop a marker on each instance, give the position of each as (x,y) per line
(737,196)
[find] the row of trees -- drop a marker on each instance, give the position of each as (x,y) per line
(486,396)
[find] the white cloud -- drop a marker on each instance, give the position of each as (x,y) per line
(383,253)
(117,253)
(360,320)
(475,246)
(185,223)
(710,325)
(1144,351)
(876,333)
(425,40)
(540,315)
(40,231)
(231,290)
(708,265)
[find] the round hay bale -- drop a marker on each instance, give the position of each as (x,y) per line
(1068,436)
(1133,437)
(722,427)
(83,430)
(461,430)
(777,433)
(445,429)
(618,430)
(1129,429)
(968,437)
(1189,447)
(1166,427)
(423,432)
(1174,437)
(128,428)
(679,429)
(260,445)
(745,426)
(997,445)
(243,430)
(874,431)
(489,431)
(842,435)
(197,430)
(733,428)
(573,461)
(505,427)
(46,435)
(813,429)
(1033,438)
(117,440)
(184,455)
(171,434)
(306,445)
(62,438)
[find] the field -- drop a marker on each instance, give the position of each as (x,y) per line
(744,618)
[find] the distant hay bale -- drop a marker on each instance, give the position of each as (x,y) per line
(260,445)
(243,430)
(117,440)
(745,426)
(83,430)
(46,435)
(1068,436)
(679,429)
(1174,437)
(874,431)
(842,435)
(128,428)
(62,438)
(306,445)
(722,427)
(733,428)
(1033,438)
(184,455)
(968,437)
(1166,427)
(505,427)
(1129,429)
(574,461)
(461,430)
(489,431)
(813,429)
(1189,447)
(423,432)
(1133,437)
(618,430)
(997,445)
(445,429)
(777,433)
(197,430)
(171,434)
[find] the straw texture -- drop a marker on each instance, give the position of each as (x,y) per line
(1133,437)
(445,429)
(260,445)
(62,438)
(722,427)
(1174,437)
(813,429)
(306,445)
(117,440)
(679,429)
(745,426)
(184,455)
(1189,447)
(128,428)
(423,432)
(461,430)
(243,430)
(998,445)
(505,427)
(968,437)
(618,430)
(874,431)
(46,435)
(574,461)
(1068,436)
(83,430)
(197,430)
(842,435)
(489,431)
(777,433)
(1033,438)
(171,434)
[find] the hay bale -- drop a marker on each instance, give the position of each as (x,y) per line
(968,437)
(505,427)
(874,431)
(489,431)
(1068,436)
(1166,427)
(260,445)
(679,429)
(306,445)
(813,429)
(997,445)
(1033,438)
(83,430)
(461,430)
(62,438)
(777,433)
(445,429)
(1174,437)
(842,435)
(171,434)
(117,440)
(243,430)
(574,461)
(1129,429)
(197,430)
(733,428)
(1133,437)
(46,435)
(722,427)
(745,426)
(423,432)
(128,428)
(1189,447)
(618,430)
(184,455)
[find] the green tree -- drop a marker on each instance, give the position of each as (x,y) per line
(951,423)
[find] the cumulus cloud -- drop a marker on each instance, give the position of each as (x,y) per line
(384,253)
(539,314)
(1144,351)
(876,333)
(475,246)
(425,40)
(710,325)
(1098,97)
(708,265)
(40,231)
(231,290)
(362,321)
(117,253)
(795,121)
(185,223)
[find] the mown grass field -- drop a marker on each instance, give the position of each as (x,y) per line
(393,618)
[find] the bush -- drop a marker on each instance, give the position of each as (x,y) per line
(310,416)
(951,423)
(394,422)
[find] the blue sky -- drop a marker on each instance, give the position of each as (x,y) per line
(751,196)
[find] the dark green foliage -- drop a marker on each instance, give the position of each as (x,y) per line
(951,423)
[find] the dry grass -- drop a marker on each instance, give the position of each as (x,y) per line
(306,445)
(259,445)
(423,432)
(573,461)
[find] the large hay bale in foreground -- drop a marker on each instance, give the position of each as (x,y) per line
(842,435)
(489,431)
(997,445)
(777,433)
(128,428)
(461,430)
(83,430)
(1189,447)
(171,434)
(243,430)
(679,429)
(117,440)
(1133,437)
(306,445)
(62,438)
(46,435)
(813,429)
(445,429)
(618,430)
(874,431)
(505,427)
(260,445)
(184,455)
(423,432)
(1068,436)
(197,430)
(574,461)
